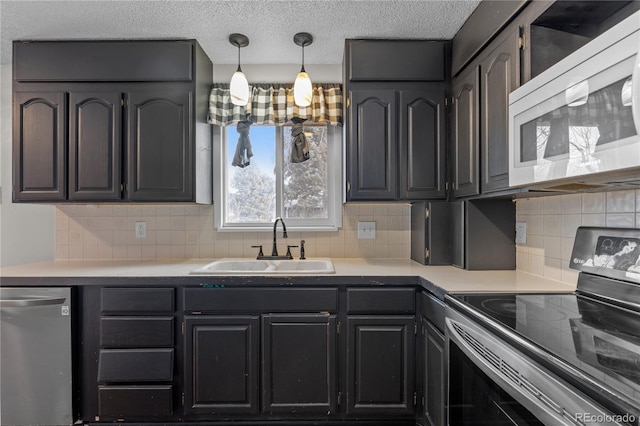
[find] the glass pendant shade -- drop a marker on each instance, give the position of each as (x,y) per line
(239,89)
(302,90)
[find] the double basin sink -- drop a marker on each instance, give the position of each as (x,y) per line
(266,266)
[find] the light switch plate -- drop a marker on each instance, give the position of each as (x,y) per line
(366,230)
(141,229)
(521,232)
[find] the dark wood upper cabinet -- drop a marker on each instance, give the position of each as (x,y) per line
(130,134)
(39,148)
(395,60)
(422,151)
(372,144)
(95,125)
(159,144)
(499,75)
(465,133)
(396,119)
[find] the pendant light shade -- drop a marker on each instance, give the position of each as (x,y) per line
(239,89)
(239,86)
(302,90)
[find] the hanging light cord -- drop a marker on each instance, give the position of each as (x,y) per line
(302,70)
(239,69)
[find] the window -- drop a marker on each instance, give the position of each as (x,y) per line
(307,195)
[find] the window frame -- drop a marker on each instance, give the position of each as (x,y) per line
(334,175)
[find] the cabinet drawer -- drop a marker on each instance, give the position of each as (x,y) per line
(135,401)
(136,332)
(140,60)
(146,300)
(396,60)
(135,365)
(433,310)
(380,300)
(260,300)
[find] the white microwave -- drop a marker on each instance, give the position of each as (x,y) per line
(577,124)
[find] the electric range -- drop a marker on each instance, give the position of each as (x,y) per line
(588,341)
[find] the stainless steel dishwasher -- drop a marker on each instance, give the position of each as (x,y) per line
(35,356)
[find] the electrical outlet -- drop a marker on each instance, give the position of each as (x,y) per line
(141,229)
(366,230)
(521,232)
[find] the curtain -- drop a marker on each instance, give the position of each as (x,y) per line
(272,104)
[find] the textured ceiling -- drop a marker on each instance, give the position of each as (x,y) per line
(269,24)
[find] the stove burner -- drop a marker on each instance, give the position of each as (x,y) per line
(630,327)
(500,306)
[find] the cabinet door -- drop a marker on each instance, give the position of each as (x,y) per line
(465,131)
(434,375)
(499,75)
(221,365)
(380,365)
(95,135)
(299,364)
(372,145)
(39,146)
(422,136)
(160,153)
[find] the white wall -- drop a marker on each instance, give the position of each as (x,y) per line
(26,231)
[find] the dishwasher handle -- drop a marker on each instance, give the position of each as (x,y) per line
(28,301)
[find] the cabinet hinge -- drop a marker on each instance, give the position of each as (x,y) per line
(183,328)
(339,327)
(415,331)
(415,398)
(339,398)
(348,186)
(123,187)
(426,253)
(521,42)
(446,186)
(427,213)
(183,399)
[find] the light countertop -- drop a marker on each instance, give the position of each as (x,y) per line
(445,278)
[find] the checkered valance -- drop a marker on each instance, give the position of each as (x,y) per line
(273,104)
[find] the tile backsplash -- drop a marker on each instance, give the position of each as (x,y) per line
(186,231)
(552,222)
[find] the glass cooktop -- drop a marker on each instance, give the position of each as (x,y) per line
(601,340)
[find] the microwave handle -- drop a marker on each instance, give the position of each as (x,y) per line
(635,87)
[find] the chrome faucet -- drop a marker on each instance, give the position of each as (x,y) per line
(274,252)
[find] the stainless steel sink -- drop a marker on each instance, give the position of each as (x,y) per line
(267,267)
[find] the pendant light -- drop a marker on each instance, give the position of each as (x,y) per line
(302,91)
(239,86)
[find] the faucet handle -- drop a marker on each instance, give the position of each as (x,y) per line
(260,253)
(289,255)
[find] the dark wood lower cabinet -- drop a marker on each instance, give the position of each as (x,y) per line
(380,365)
(147,356)
(434,375)
(299,358)
(221,365)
